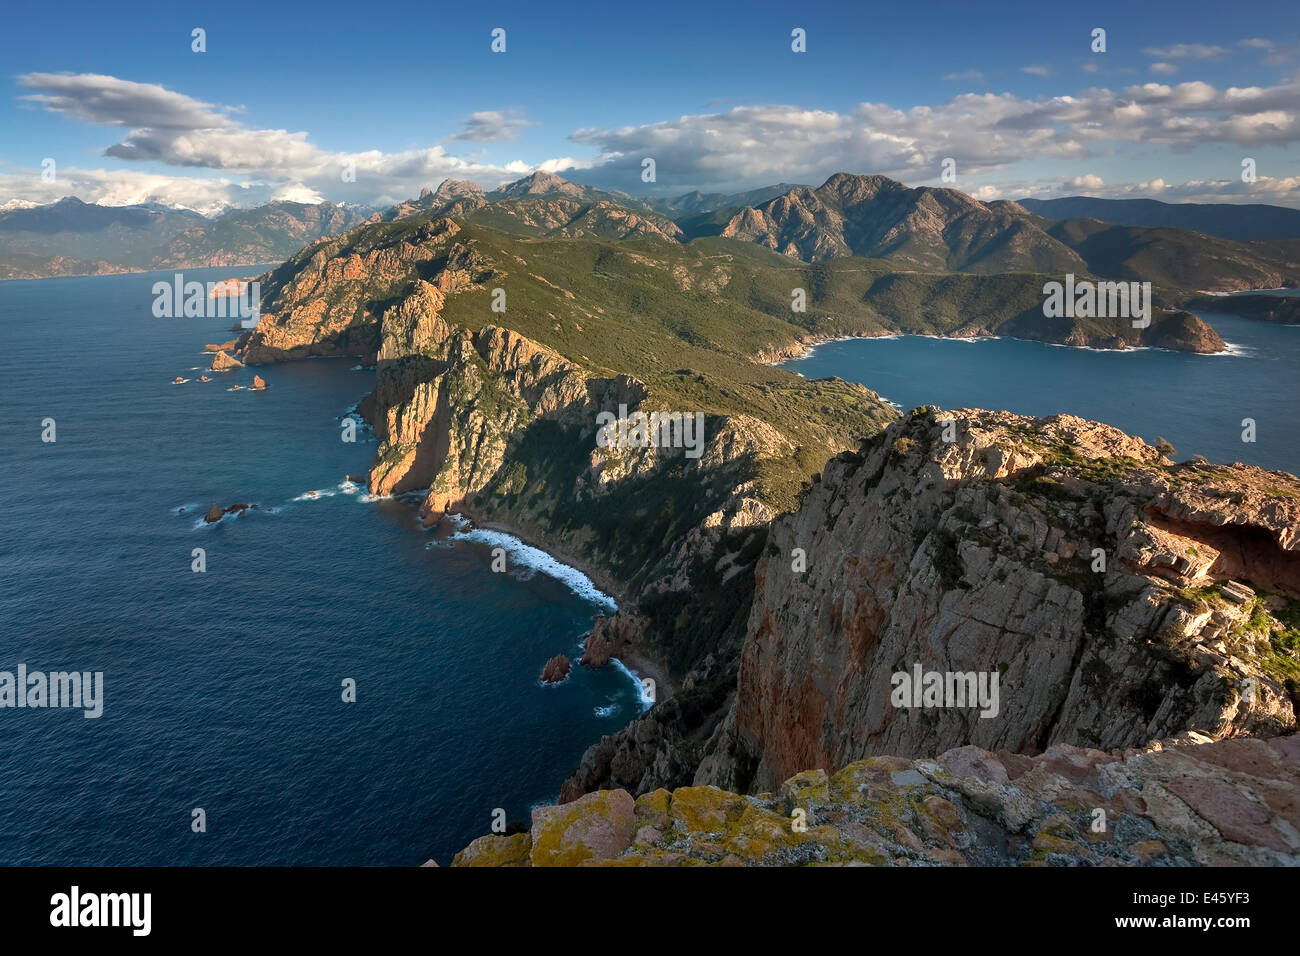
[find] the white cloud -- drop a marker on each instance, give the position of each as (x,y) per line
(1036,70)
(493,126)
(255,164)
(742,147)
(1162,67)
(1191,51)
(109,101)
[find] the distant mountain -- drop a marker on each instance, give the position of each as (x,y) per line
(549,185)
(542,204)
(1226,220)
(695,203)
(455,198)
(947,230)
(876,217)
(934,230)
(129,236)
(1180,258)
(71,237)
(266,233)
(22,265)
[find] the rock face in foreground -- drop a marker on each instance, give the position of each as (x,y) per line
(1073,563)
(1172,803)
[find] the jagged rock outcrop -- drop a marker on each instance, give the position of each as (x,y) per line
(1178,802)
(216,512)
(555,670)
(259,383)
(1070,561)
(221,362)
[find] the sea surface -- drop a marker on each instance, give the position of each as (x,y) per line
(223,689)
(1197,402)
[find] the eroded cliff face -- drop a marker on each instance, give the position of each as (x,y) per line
(1179,802)
(1086,572)
(500,427)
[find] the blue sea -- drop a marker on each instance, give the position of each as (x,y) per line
(1196,402)
(223,690)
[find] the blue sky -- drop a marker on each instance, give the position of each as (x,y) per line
(288,93)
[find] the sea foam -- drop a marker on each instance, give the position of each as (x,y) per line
(539,560)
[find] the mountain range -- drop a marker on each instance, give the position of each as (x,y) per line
(915,229)
(1241,221)
(71,237)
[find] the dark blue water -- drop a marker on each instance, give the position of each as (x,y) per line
(1197,402)
(223,689)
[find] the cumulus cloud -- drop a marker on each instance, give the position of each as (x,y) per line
(254,164)
(493,126)
(1191,51)
(109,101)
(725,150)
(754,145)
(124,187)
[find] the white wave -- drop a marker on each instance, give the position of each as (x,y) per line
(1233,349)
(315,495)
(646,700)
(607,711)
(181,382)
(957,338)
(539,560)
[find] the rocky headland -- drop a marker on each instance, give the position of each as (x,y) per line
(1118,597)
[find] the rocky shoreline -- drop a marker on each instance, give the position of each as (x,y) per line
(777,356)
(778,665)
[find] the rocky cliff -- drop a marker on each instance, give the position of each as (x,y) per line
(1117,597)
(493,414)
(1182,802)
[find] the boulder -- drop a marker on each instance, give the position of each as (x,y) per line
(258,383)
(221,362)
(556,669)
(598,826)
